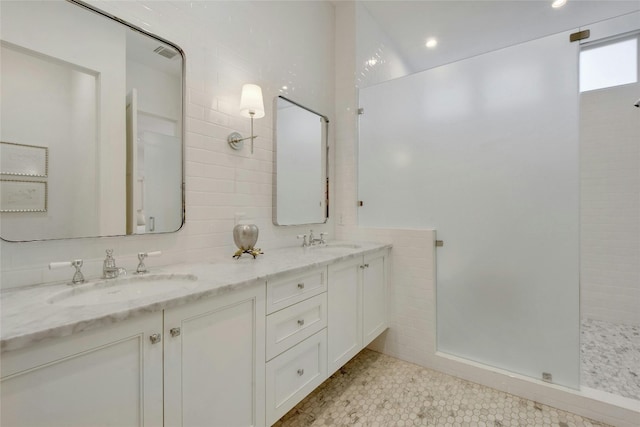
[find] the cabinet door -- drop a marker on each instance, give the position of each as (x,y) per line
(374,296)
(294,374)
(344,313)
(214,361)
(111,376)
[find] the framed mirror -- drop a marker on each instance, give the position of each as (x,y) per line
(301,185)
(104,100)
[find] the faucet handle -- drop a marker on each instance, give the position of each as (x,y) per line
(304,242)
(78,277)
(141,256)
(322,236)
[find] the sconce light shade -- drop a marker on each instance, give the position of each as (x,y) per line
(251,104)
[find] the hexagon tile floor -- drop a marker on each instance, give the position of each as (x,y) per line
(378,390)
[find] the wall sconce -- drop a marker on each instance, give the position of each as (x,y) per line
(251,106)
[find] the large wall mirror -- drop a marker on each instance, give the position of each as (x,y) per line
(301,192)
(92,125)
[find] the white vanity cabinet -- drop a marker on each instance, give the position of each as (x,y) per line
(197,364)
(214,361)
(240,358)
(296,340)
(357,293)
(111,376)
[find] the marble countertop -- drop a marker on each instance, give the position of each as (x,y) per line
(28,315)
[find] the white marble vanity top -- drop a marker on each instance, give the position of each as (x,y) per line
(28,315)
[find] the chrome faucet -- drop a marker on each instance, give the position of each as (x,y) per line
(313,241)
(109,268)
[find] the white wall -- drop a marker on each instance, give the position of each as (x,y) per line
(34,28)
(226,44)
(610,204)
(377,57)
(67,118)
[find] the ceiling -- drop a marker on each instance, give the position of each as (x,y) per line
(469,28)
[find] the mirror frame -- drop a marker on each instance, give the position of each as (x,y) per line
(274,202)
(135,28)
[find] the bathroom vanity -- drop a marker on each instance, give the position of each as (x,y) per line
(234,343)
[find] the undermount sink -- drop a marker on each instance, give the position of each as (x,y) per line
(124,289)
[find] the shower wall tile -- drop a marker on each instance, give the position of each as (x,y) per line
(226,45)
(610,206)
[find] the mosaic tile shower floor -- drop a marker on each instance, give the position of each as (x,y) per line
(610,357)
(378,390)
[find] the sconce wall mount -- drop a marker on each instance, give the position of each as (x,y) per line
(251,106)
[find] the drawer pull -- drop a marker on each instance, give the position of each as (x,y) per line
(301,322)
(300,285)
(301,372)
(155,338)
(174,332)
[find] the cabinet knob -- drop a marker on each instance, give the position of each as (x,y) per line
(362,267)
(174,332)
(155,338)
(301,372)
(366,266)
(300,322)
(300,285)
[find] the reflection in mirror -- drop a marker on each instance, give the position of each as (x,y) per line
(301,183)
(105,100)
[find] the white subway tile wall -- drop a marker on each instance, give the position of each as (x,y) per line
(610,205)
(226,44)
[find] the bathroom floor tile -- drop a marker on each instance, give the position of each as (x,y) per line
(378,390)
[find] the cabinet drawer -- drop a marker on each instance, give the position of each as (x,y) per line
(294,374)
(284,292)
(291,325)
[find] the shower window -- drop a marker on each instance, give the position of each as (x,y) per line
(609,64)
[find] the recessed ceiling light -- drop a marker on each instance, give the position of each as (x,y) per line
(372,62)
(431,43)
(558,3)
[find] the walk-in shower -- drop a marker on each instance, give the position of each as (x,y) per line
(610,215)
(534,187)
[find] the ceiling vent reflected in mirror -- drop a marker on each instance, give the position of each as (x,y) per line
(166,52)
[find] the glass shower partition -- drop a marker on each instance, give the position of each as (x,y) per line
(485,151)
